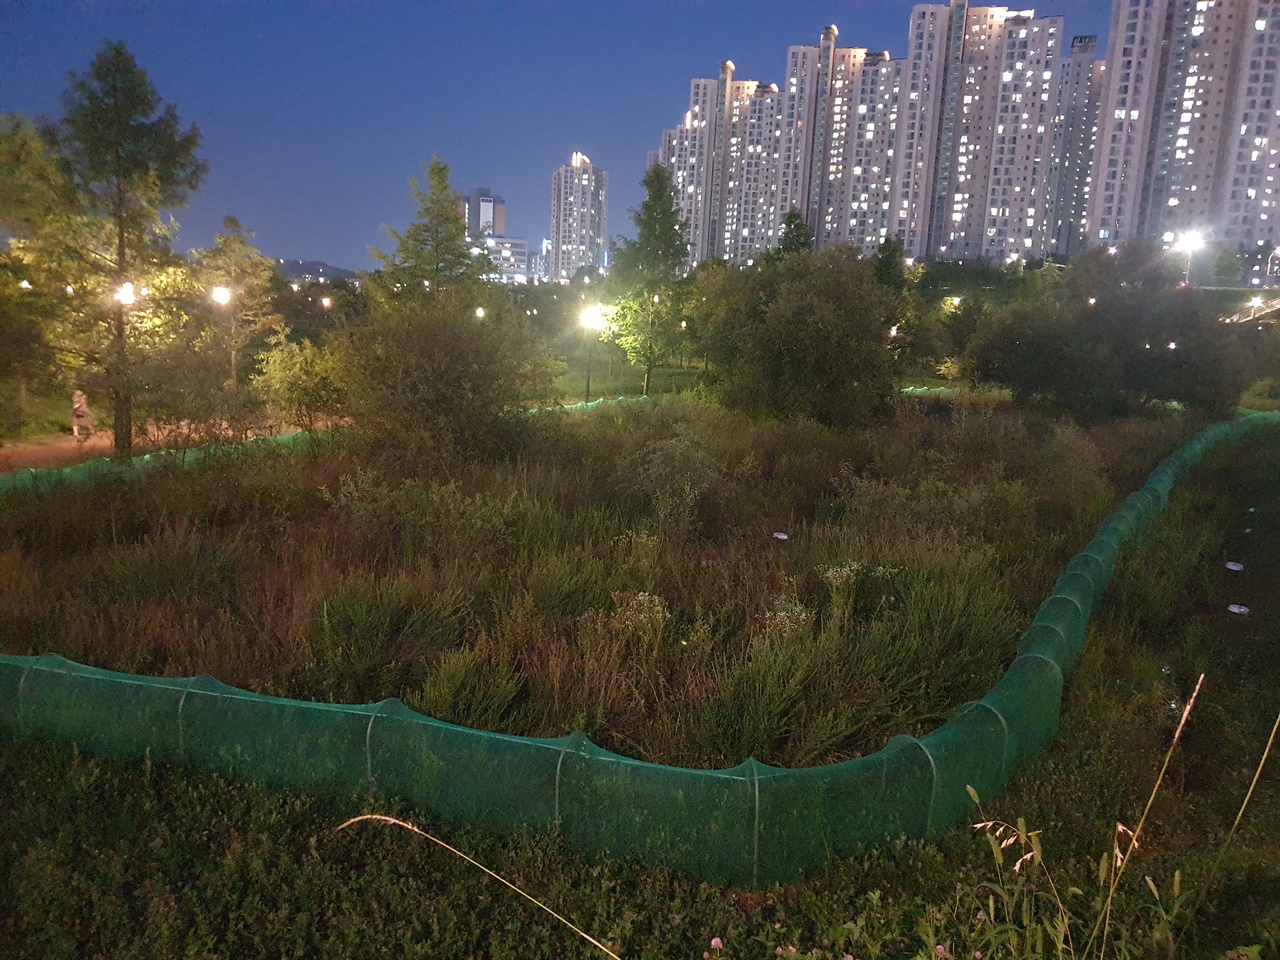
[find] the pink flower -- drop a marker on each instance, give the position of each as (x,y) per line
(777,952)
(717,943)
(940,950)
(977,955)
(706,955)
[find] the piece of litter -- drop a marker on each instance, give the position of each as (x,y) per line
(1251,509)
(1238,608)
(780,536)
(1233,565)
(1248,529)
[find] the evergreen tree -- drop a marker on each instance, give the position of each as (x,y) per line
(127,158)
(656,257)
(432,256)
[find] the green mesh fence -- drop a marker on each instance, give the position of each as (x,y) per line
(750,825)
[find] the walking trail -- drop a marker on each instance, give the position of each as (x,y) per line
(54,450)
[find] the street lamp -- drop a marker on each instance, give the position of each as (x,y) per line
(125,294)
(592,319)
(222,296)
(1189,243)
(1254,304)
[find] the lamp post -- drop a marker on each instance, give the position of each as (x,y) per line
(222,297)
(1254,304)
(1189,243)
(592,320)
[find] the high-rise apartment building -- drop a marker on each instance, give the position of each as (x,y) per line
(987,141)
(1187,123)
(579,217)
(1075,127)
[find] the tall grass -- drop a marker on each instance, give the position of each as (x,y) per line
(618,575)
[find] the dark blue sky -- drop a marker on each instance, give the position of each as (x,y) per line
(315,114)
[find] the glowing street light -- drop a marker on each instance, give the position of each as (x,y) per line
(1254,303)
(25,285)
(1189,243)
(326,302)
(220,295)
(592,319)
(125,294)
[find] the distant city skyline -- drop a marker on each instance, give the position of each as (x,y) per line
(314,116)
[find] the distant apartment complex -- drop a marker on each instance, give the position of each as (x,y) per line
(579,217)
(993,137)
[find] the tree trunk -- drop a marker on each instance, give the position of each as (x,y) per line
(22,395)
(648,373)
(118,377)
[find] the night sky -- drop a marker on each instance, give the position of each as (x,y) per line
(315,115)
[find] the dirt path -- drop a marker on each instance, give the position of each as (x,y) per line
(55,450)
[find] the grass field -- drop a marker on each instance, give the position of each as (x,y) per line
(620,578)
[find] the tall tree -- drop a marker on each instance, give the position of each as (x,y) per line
(231,264)
(645,271)
(432,256)
(656,257)
(128,158)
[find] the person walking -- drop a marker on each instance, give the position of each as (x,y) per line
(80,415)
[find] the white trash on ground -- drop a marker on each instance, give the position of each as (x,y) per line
(780,536)
(1234,565)
(1238,608)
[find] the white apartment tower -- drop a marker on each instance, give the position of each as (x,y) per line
(962,149)
(1251,164)
(960,213)
(929,43)
(1127,125)
(579,216)
(1019,203)
(1075,127)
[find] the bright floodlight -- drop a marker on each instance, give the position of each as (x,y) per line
(592,317)
(1190,242)
(326,302)
(955,301)
(1255,302)
(221,295)
(479,311)
(125,293)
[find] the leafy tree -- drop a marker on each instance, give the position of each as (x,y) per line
(233,265)
(1226,266)
(301,381)
(794,236)
(891,265)
(127,158)
(805,335)
(646,321)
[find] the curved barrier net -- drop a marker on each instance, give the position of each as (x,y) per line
(750,825)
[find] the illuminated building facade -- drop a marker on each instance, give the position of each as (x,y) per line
(579,217)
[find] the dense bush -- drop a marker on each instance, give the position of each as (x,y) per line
(799,335)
